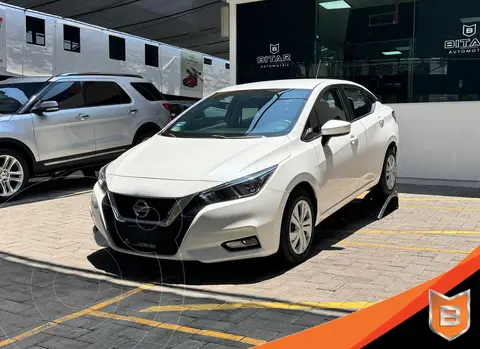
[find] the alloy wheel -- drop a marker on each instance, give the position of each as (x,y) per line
(391,171)
(301,227)
(11,175)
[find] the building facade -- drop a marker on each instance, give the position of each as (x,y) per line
(421,57)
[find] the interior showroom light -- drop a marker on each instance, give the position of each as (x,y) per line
(334,5)
(391,53)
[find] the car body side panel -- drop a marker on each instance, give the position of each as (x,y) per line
(20,128)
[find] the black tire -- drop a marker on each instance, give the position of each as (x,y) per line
(24,167)
(285,251)
(143,136)
(384,187)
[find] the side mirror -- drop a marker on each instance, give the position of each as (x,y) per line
(47,106)
(336,128)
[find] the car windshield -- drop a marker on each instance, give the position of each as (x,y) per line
(13,96)
(243,114)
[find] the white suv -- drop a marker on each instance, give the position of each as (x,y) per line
(247,172)
(72,121)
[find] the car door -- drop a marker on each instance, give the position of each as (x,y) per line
(113,113)
(341,156)
(67,134)
(364,110)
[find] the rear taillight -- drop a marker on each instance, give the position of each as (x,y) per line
(166,106)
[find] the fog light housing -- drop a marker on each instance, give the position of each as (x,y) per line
(242,244)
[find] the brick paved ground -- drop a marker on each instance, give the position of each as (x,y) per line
(46,240)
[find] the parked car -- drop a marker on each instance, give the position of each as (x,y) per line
(70,121)
(176,107)
(249,172)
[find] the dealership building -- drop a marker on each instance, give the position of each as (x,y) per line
(422,57)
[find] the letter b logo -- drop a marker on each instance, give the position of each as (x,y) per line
(449,316)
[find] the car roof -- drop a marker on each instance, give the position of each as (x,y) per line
(308,84)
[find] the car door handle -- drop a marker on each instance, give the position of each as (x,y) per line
(132,110)
(353,139)
(82,117)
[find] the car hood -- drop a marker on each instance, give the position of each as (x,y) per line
(194,159)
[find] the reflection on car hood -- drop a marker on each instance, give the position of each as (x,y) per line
(194,159)
(5,117)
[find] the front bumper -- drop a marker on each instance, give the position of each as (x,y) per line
(199,234)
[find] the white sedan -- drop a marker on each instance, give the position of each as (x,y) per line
(247,172)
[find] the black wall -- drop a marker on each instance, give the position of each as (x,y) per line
(289,23)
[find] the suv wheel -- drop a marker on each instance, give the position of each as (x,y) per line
(296,236)
(142,137)
(14,173)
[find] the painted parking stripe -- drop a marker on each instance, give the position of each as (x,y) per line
(257,305)
(173,327)
(444,208)
(421,232)
(87,311)
(405,248)
(428,198)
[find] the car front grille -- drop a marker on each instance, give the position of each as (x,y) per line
(149,238)
(159,208)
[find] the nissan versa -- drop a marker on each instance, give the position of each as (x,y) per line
(247,172)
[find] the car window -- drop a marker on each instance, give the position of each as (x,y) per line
(67,94)
(13,96)
(102,93)
(148,91)
(329,107)
(359,101)
(242,114)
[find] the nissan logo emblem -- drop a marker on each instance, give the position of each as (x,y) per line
(141,209)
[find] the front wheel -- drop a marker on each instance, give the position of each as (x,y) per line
(14,174)
(298,225)
(388,178)
(142,137)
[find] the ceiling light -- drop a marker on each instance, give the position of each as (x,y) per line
(470,20)
(334,5)
(391,53)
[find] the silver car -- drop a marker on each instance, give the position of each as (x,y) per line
(72,121)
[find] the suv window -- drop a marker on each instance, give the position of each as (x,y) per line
(101,93)
(13,96)
(329,107)
(359,101)
(67,94)
(148,91)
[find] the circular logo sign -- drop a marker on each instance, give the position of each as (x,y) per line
(141,209)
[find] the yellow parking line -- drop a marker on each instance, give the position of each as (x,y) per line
(257,305)
(442,208)
(406,248)
(430,198)
(80,313)
(179,328)
(422,232)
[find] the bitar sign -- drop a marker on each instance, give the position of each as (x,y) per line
(275,59)
(466,45)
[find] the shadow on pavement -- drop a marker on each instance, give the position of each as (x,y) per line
(439,190)
(330,232)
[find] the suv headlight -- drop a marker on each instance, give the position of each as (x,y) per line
(238,189)
(102,179)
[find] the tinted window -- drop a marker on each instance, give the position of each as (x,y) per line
(359,101)
(117,48)
(35,30)
(329,107)
(148,91)
(68,95)
(13,96)
(100,93)
(242,114)
(71,38)
(151,55)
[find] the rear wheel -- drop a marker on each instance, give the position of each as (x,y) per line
(143,136)
(298,225)
(388,179)
(14,173)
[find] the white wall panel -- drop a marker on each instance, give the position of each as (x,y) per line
(15,40)
(38,60)
(170,69)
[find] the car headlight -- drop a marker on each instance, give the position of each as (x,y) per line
(238,189)
(102,179)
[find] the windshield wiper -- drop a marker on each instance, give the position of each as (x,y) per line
(219,136)
(169,134)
